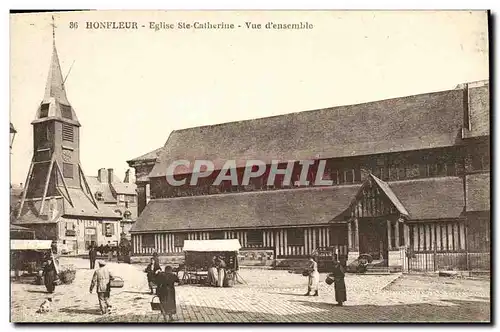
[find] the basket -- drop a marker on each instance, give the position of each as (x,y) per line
(305,273)
(117,282)
(155,305)
(329,280)
(67,276)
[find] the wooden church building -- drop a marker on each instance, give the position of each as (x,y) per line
(411,184)
(57,202)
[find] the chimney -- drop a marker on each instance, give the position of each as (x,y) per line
(127,176)
(102,176)
(110,175)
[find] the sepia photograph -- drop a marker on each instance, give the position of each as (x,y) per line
(312,166)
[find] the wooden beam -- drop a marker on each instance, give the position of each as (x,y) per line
(396,233)
(46,187)
(389,234)
(26,186)
(64,183)
(356,234)
(80,169)
(349,235)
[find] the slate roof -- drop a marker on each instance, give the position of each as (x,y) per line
(150,156)
(97,186)
(409,123)
(478,192)
(55,94)
(124,188)
(422,199)
(82,208)
(308,206)
(432,198)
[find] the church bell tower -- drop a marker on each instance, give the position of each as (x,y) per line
(55,169)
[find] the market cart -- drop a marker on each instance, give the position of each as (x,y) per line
(199,254)
(29,255)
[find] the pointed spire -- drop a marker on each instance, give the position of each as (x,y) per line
(55,82)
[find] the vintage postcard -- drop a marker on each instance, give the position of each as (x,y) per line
(250,166)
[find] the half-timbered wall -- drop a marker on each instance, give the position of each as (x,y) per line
(438,236)
(285,242)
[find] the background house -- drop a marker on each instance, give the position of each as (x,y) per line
(119,195)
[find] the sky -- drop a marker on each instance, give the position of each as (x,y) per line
(131,89)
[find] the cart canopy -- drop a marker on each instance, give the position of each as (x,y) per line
(212,245)
(30,244)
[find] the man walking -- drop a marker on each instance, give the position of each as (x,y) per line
(102,277)
(92,256)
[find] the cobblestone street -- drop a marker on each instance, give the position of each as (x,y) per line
(268,296)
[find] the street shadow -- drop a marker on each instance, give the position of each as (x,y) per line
(457,311)
(142,293)
(39,291)
(289,294)
(81,311)
(317,305)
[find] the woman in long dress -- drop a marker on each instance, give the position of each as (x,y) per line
(166,292)
(313,284)
(221,269)
(50,276)
(212,273)
(338,277)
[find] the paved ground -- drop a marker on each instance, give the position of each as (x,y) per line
(268,296)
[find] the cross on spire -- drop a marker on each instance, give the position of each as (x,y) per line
(53,30)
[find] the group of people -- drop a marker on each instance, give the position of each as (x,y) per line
(217,272)
(165,286)
(337,275)
(93,250)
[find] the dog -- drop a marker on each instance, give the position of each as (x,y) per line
(45,306)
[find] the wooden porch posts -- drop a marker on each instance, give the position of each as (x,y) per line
(353,239)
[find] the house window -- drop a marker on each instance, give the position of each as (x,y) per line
(66,111)
(218,235)
(108,229)
(254,237)
(67,132)
(68,170)
(70,228)
(44,110)
(148,240)
(179,239)
(295,236)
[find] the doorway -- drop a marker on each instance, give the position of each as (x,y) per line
(373,238)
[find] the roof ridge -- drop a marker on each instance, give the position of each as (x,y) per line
(259,192)
(313,110)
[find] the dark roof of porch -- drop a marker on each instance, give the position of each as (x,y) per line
(434,198)
(293,207)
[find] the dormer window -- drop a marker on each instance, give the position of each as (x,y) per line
(98,196)
(66,111)
(44,110)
